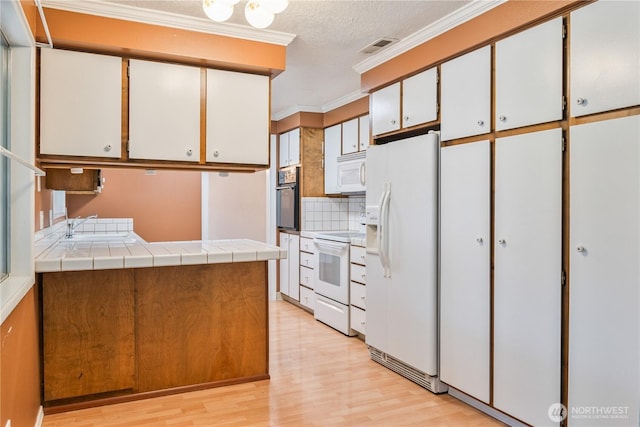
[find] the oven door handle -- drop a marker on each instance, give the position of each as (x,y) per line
(331,246)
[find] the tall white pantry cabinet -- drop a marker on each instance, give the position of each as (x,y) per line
(535,215)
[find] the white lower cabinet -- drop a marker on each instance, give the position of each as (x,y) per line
(307,261)
(332,313)
(604,251)
(307,298)
(465,292)
(290,267)
(527,275)
(358,289)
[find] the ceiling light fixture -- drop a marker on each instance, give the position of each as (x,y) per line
(259,13)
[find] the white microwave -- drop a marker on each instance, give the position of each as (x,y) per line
(352,173)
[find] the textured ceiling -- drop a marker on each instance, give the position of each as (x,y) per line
(329,36)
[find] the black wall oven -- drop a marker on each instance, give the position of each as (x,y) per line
(288,199)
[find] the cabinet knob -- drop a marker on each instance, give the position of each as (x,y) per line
(107,147)
(502,241)
(216,153)
(363,276)
(406,118)
(362,298)
(354,146)
(480,122)
(189,152)
(362,323)
(393,122)
(581,249)
(479,240)
(581,101)
(502,118)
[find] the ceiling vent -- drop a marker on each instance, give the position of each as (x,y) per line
(378,44)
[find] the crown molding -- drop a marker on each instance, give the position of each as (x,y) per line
(330,106)
(466,13)
(293,110)
(166,19)
(344,100)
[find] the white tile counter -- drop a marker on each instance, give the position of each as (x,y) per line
(118,248)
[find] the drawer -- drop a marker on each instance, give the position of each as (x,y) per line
(307,298)
(358,295)
(307,259)
(333,314)
(358,255)
(358,273)
(306,245)
(358,320)
(306,277)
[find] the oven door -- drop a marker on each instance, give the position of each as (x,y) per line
(287,212)
(332,270)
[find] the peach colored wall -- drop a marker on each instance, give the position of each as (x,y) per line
(497,22)
(20,365)
(165,206)
(238,206)
(347,112)
(108,35)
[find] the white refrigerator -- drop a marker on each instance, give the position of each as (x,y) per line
(402,257)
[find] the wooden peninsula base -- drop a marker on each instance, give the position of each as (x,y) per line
(116,335)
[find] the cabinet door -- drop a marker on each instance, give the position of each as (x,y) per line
(363,133)
(527,274)
(80,104)
(294,147)
(350,136)
(294,266)
(604,250)
(237,117)
(385,109)
(466,95)
(283,151)
(529,77)
(164,111)
(284,264)
(604,57)
(332,143)
(465,293)
(420,98)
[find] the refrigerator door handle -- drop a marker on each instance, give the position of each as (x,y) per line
(382,232)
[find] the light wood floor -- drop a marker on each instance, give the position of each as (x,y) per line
(319,377)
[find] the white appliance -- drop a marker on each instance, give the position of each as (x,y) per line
(352,173)
(402,258)
(331,274)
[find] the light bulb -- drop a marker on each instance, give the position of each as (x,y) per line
(275,6)
(257,15)
(218,10)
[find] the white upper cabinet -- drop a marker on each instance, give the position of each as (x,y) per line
(529,77)
(420,98)
(385,109)
(604,57)
(80,104)
(289,148)
(363,136)
(164,111)
(332,143)
(466,95)
(350,136)
(237,117)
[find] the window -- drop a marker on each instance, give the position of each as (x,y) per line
(4,165)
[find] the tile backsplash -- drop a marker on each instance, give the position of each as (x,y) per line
(326,213)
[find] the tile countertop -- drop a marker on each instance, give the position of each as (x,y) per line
(91,251)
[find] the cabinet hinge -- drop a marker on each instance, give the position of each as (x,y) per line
(564,144)
(128,70)
(564,102)
(437,77)
(564,31)
(437,108)
(127,146)
(563,278)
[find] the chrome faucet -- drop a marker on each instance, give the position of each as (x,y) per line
(76,222)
